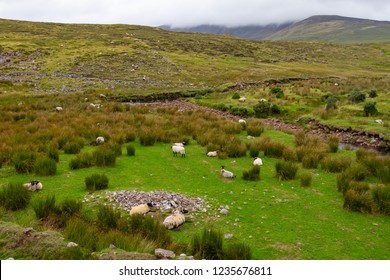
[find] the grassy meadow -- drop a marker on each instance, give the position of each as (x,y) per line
(334,206)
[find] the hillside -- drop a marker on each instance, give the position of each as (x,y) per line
(252,32)
(335,29)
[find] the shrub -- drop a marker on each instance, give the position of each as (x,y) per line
(333,143)
(45,167)
(208,246)
(70,207)
(255,128)
(45,207)
(73,147)
(311,161)
(273,149)
(289,154)
(83,160)
(357,172)
(357,96)
(372,93)
(107,217)
(130,136)
(24,162)
(254,150)
(96,182)
(130,150)
(286,170)
(103,157)
(240,111)
(381,197)
(275,110)
(358,202)
(277,91)
(14,197)
(370,109)
(236,95)
(262,109)
(235,149)
(335,165)
(148,139)
(252,175)
(306,178)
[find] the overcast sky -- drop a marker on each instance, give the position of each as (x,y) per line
(183,13)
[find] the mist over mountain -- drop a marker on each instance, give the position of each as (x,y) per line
(320,28)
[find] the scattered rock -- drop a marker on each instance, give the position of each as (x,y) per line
(28,230)
(72,245)
(164,254)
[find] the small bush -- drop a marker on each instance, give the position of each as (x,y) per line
(104,157)
(357,96)
(236,95)
(24,162)
(116,148)
(370,109)
(277,91)
(311,161)
(358,202)
(45,207)
(96,182)
(208,246)
(130,150)
(14,197)
(53,153)
(333,143)
(254,150)
(148,139)
(357,172)
(331,102)
(70,207)
(45,167)
(82,160)
(130,136)
(306,178)
(286,170)
(107,217)
(262,109)
(381,197)
(372,93)
(289,154)
(73,147)
(252,175)
(235,149)
(275,110)
(255,128)
(335,165)
(273,149)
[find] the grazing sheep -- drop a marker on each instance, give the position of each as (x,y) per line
(212,154)
(33,186)
(174,220)
(180,150)
(242,99)
(141,209)
(58,109)
(180,144)
(241,121)
(227,174)
(100,140)
(257,162)
(379,121)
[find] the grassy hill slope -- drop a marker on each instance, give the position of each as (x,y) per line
(335,29)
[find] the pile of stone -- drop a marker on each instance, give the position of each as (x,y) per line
(164,201)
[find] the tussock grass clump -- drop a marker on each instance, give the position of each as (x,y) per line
(333,143)
(24,162)
(286,170)
(82,232)
(73,147)
(311,161)
(96,182)
(107,217)
(237,251)
(14,197)
(254,150)
(252,175)
(53,153)
(358,201)
(82,160)
(208,245)
(306,179)
(235,149)
(45,207)
(357,172)
(104,157)
(273,149)
(70,207)
(45,167)
(255,128)
(381,197)
(130,150)
(335,165)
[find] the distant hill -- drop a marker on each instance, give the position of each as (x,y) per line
(335,29)
(253,32)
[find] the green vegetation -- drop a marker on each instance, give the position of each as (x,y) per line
(90,69)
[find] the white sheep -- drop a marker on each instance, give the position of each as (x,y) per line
(241,121)
(100,140)
(174,220)
(257,162)
(33,186)
(180,144)
(141,209)
(242,99)
(58,109)
(212,154)
(180,150)
(227,174)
